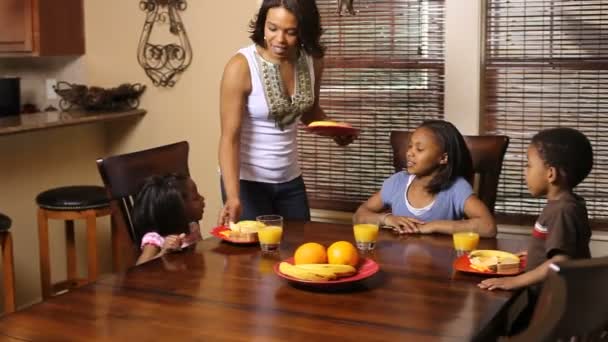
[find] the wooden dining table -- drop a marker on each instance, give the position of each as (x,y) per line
(223,291)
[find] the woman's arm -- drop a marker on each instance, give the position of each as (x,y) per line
(525,279)
(479,219)
(236,84)
(148,253)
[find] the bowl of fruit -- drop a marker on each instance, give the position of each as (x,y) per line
(313,264)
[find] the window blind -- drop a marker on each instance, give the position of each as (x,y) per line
(547,66)
(384,70)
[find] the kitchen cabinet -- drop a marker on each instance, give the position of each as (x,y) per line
(41,27)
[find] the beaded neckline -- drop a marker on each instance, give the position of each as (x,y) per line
(282,108)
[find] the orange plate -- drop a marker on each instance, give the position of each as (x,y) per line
(217,232)
(333,131)
(462,264)
(366,268)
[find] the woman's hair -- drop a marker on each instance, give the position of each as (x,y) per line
(309,24)
(567,150)
(452,143)
(159,206)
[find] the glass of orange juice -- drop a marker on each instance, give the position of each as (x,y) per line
(271,233)
(464,242)
(366,235)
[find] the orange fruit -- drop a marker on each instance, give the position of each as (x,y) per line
(343,253)
(310,253)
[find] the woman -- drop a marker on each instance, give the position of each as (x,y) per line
(265,89)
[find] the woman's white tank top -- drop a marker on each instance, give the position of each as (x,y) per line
(268,154)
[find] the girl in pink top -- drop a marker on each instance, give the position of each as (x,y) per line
(166,214)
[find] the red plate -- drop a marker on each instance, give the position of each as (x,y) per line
(219,229)
(462,264)
(333,131)
(367,268)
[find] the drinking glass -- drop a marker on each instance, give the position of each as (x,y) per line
(465,242)
(270,235)
(366,235)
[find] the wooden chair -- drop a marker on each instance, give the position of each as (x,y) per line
(572,303)
(123,176)
(487,152)
(8,264)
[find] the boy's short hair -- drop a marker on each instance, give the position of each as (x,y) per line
(566,149)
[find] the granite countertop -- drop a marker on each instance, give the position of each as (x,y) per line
(45,120)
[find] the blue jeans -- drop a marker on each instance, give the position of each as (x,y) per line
(286,199)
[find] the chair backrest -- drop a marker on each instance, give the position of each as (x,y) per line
(572,303)
(487,152)
(123,175)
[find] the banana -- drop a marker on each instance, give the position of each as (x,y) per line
(338,270)
(316,272)
(493,261)
(302,274)
(247,226)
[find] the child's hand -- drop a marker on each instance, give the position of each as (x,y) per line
(194,236)
(506,283)
(403,224)
(173,242)
(522,254)
(427,228)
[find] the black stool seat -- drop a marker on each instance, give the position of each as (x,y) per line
(79,197)
(5,222)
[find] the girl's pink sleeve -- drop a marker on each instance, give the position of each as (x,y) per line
(152,238)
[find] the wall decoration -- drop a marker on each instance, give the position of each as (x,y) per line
(123,97)
(163,63)
(349,7)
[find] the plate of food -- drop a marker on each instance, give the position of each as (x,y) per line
(325,275)
(332,128)
(490,262)
(243,232)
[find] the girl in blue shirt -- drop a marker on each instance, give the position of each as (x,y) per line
(432,195)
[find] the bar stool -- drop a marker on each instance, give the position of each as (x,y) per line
(8,265)
(70,203)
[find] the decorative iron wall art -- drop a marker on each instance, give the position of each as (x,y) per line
(163,63)
(348,5)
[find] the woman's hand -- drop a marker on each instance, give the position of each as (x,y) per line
(344,140)
(230,212)
(403,224)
